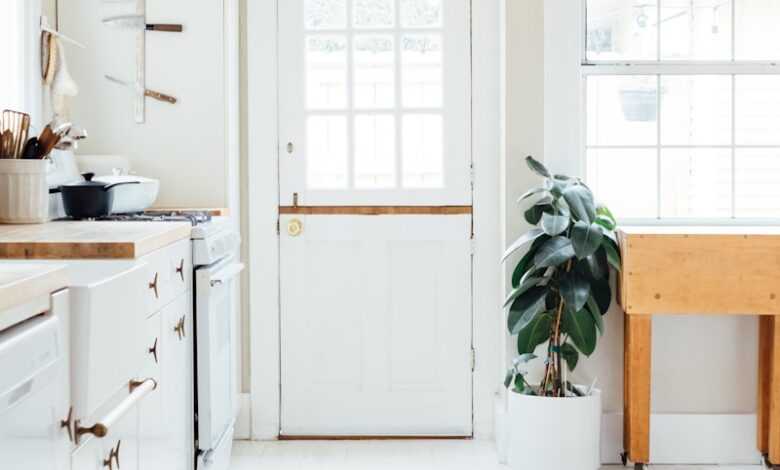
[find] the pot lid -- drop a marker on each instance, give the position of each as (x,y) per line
(87,182)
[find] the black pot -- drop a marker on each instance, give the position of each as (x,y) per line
(88,199)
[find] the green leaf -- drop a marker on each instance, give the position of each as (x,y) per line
(581,329)
(523,359)
(537,167)
(531,193)
(534,214)
(521,289)
(603,211)
(510,374)
(570,354)
(525,308)
(535,333)
(602,293)
(527,238)
(596,264)
(526,263)
(519,383)
(554,252)
(586,239)
(605,223)
(554,224)
(595,312)
(613,256)
(580,201)
(575,290)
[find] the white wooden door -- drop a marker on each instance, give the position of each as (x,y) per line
(375,231)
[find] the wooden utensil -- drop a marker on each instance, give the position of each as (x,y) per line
(18,124)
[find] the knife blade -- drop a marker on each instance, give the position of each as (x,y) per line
(138,22)
(150,93)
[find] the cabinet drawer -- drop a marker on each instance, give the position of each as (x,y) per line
(171,274)
(118,450)
(107,328)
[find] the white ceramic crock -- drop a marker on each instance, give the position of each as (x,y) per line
(24,192)
(553,433)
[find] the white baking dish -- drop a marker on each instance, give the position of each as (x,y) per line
(132,197)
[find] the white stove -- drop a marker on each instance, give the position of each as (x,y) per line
(213,241)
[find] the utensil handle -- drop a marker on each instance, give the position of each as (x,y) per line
(168,28)
(160,96)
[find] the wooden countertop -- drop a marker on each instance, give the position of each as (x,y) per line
(89,240)
(21,283)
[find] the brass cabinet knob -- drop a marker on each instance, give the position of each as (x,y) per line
(294,228)
(67,424)
(153,350)
(153,285)
(180,270)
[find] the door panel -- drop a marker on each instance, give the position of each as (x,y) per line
(376,325)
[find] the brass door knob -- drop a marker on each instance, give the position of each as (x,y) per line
(294,228)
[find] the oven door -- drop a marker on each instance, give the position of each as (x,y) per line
(215,337)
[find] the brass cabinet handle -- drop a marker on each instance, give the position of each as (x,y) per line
(153,350)
(66,423)
(113,455)
(153,285)
(138,391)
(183,327)
(180,270)
(180,329)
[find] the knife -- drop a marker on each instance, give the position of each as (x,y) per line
(138,22)
(150,93)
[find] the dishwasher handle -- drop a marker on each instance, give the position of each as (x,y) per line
(138,391)
(226,275)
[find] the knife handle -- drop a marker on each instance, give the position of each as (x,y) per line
(160,96)
(168,28)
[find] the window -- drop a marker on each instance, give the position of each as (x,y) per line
(12,92)
(375,101)
(682,108)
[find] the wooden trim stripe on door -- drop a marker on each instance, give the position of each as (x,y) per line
(376,210)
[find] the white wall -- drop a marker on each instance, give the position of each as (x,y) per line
(700,365)
(185,145)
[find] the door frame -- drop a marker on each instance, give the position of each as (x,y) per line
(262,213)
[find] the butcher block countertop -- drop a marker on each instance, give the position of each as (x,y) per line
(68,240)
(22,283)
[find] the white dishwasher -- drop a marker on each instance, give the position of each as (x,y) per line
(35,391)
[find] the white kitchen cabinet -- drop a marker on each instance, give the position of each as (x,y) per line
(117,450)
(167,420)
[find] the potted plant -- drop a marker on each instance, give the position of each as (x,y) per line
(560,292)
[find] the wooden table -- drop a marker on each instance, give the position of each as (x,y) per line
(698,271)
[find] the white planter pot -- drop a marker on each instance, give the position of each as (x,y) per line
(24,193)
(554,433)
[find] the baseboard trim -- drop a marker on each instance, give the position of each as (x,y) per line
(687,439)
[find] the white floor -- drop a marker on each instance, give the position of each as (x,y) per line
(384,455)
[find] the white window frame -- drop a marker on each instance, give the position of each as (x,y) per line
(567,68)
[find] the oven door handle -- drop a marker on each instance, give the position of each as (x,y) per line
(225,275)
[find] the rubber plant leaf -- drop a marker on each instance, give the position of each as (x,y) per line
(527,238)
(586,239)
(554,252)
(580,201)
(526,308)
(581,330)
(535,333)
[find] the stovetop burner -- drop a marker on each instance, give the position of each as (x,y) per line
(193,217)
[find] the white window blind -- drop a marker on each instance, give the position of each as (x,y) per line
(682,108)
(12,51)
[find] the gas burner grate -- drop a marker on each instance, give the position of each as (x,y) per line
(195,218)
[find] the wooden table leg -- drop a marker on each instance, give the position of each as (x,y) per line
(765,353)
(636,387)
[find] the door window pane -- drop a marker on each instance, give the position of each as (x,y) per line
(696,110)
(622,110)
(374,13)
(422,70)
(326,152)
(695,183)
(758,110)
(374,72)
(325,14)
(374,151)
(696,29)
(326,72)
(421,13)
(626,180)
(423,153)
(758,182)
(622,30)
(757,32)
